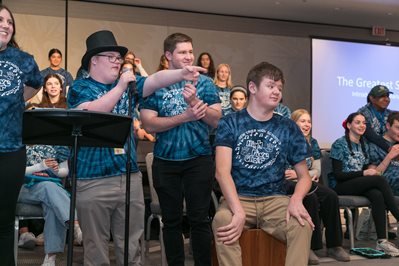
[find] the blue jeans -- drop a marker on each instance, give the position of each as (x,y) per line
(191,180)
(55,203)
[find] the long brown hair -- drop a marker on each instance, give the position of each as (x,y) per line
(12,42)
(349,120)
(46,103)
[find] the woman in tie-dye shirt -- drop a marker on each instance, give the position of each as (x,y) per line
(352,176)
(19,77)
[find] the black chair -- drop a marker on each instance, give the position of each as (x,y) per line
(348,203)
(25,211)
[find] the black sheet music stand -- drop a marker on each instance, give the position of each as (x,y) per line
(74,128)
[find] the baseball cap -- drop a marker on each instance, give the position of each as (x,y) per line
(379,91)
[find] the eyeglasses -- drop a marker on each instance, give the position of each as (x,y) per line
(112,58)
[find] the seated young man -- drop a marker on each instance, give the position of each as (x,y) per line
(387,162)
(252,147)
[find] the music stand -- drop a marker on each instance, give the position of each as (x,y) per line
(74,128)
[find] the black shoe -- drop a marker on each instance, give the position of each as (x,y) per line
(391,235)
(338,253)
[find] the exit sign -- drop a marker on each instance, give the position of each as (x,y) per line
(378,31)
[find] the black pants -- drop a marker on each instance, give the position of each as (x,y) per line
(378,192)
(12,171)
(322,205)
(191,180)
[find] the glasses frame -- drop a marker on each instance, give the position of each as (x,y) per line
(112,58)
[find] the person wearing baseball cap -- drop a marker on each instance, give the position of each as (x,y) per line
(376,113)
(378,92)
(101,172)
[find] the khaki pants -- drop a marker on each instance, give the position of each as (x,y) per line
(101,207)
(269,214)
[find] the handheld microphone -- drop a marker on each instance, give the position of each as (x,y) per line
(132,84)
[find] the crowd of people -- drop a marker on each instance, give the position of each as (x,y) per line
(264,158)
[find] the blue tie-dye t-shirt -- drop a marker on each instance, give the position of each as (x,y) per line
(37,153)
(95,162)
(374,119)
(260,150)
(224,95)
(283,110)
(314,153)
(188,140)
(391,173)
(17,69)
(350,163)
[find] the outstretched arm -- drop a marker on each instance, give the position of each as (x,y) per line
(376,139)
(166,78)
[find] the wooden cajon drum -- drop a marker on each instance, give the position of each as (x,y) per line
(258,249)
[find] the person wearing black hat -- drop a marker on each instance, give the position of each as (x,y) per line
(376,113)
(181,115)
(101,171)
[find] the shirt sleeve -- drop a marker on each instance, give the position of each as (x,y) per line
(316,153)
(343,176)
(208,92)
(33,79)
(298,147)
(224,133)
(79,93)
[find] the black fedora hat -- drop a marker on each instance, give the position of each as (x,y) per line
(98,42)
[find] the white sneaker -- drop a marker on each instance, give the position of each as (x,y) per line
(77,235)
(388,247)
(49,260)
(27,240)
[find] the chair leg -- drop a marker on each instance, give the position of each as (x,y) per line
(148,234)
(16,229)
(351,229)
(163,254)
(143,248)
